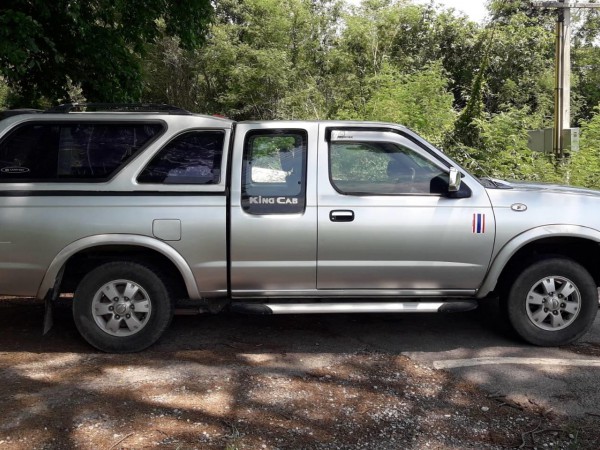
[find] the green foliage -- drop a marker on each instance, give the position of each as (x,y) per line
(358,162)
(264,59)
(299,61)
(587,80)
(585,164)
(503,151)
(3,94)
(467,129)
(409,37)
(512,93)
(170,74)
(246,64)
(97,45)
(269,145)
(419,100)
(521,64)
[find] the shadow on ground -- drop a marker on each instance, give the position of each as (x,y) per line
(233,381)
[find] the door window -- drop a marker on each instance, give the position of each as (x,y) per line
(274,172)
(383,168)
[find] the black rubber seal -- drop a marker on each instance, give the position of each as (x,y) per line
(250,308)
(461,306)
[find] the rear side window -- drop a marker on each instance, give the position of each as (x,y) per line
(191,158)
(71,151)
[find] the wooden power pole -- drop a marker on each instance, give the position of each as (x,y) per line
(562,71)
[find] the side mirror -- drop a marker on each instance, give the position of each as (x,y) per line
(454,180)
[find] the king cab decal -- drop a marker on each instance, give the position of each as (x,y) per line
(260,200)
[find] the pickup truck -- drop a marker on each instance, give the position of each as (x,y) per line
(130,209)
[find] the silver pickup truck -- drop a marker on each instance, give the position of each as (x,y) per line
(133,209)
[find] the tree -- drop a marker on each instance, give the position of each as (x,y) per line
(585,60)
(420,100)
(170,74)
(97,45)
(3,93)
(585,164)
(244,69)
(263,59)
(407,37)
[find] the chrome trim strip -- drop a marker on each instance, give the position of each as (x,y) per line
(327,308)
(347,293)
(96,193)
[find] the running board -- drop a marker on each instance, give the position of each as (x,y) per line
(371,307)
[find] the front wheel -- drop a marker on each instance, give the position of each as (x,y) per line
(553,302)
(122,307)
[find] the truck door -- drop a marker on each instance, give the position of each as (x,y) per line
(273,214)
(386,223)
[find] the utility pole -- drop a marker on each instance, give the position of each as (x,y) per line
(562,76)
(562,71)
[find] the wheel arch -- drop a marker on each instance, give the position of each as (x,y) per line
(573,241)
(108,244)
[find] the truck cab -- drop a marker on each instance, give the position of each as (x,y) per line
(366,211)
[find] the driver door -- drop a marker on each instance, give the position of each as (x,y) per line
(387,224)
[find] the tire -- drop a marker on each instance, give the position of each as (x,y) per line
(552,302)
(122,307)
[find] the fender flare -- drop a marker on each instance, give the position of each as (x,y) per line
(118,239)
(518,242)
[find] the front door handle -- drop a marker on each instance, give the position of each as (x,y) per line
(343,215)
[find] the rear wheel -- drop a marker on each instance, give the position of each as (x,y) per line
(122,307)
(553,302)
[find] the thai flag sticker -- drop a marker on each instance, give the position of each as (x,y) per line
(478,223)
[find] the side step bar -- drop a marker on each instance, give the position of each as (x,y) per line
(371,307)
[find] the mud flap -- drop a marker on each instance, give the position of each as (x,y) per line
(48,317)
(49,301)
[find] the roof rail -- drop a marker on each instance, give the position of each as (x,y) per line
(15,112)
(117,107)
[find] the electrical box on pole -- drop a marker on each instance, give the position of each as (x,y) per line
(564,138)
(543,140)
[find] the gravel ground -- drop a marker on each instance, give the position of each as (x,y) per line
(236,382)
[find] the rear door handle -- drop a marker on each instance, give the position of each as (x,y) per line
(343,215)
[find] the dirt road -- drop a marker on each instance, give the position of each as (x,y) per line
(236,382)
